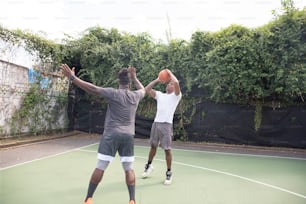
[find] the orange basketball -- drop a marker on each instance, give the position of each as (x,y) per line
(164,76)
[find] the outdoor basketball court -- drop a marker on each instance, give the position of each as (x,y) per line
(58,171)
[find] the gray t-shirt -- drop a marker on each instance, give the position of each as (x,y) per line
(121,110)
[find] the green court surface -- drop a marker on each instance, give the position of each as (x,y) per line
(199,177)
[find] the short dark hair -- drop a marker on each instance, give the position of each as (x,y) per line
(123,76)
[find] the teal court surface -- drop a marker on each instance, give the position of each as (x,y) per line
(199,176)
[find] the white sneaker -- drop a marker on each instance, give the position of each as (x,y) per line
(168,178)
(148,170)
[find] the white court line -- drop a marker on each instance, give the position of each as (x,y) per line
(210,152)
(224,173)
(178,163)
(235,154)
(226,153)
(46,157)
(233,175)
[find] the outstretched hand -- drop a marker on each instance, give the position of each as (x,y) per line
(132,71)
(67,71)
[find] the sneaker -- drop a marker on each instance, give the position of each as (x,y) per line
(88,201)
(168,178)
(148,170)
(132,202)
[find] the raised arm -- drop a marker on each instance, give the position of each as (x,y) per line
(177,88)
(86,86)
(137,83)
(149,88)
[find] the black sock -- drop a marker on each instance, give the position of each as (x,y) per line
(131,192)
(149,162)
(91,189)
(168,169)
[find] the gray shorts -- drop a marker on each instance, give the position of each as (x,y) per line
(161,134)
(110,144)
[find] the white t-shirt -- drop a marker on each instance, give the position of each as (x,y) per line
(166,105)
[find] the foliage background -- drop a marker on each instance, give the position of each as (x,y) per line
(260,67)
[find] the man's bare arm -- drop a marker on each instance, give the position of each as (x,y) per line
(149,88)
(86,86)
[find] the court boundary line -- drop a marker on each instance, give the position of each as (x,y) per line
(175,162)
(46,157)
(230,153)
(222,172)
(236,176)
(235,154)
(141,146)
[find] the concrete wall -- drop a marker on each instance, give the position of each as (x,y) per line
(14,85)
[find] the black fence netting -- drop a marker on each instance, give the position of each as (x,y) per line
(220,123)
(234,124)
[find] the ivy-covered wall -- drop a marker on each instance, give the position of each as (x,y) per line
(31,104)
(13,83)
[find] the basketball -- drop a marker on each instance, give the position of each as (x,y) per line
(164,76)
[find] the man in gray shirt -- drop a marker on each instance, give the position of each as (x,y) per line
(119,126)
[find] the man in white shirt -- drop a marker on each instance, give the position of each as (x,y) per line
(162,127)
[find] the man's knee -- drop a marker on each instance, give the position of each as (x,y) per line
(127,166)
(102,164)
(168,152)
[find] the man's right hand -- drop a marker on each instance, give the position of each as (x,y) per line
(67,71)
(132,71)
